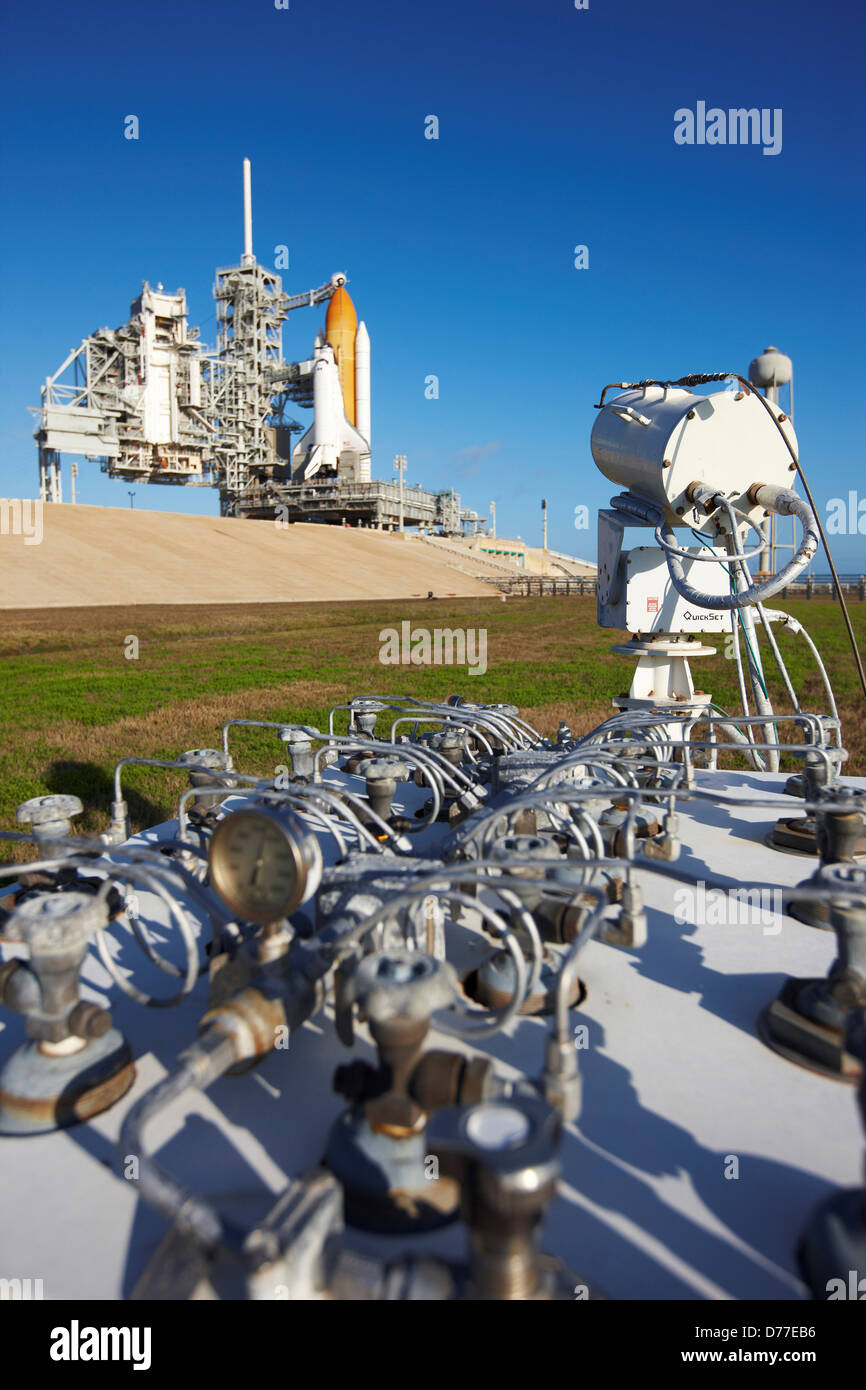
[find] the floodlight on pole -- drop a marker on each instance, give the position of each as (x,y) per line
(400,467)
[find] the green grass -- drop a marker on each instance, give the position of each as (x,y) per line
(72,704)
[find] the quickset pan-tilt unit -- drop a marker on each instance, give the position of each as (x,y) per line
(717,465)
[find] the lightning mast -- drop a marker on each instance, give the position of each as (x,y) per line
(251,309)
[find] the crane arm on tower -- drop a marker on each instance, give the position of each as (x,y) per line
(317,296)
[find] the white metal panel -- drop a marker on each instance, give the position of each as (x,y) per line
(675,1082)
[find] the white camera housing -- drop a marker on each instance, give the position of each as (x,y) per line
(657,441)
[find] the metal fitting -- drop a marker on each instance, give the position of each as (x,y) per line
(298,740)
(505,1156)
(381,776)
(56,928)
(50,820)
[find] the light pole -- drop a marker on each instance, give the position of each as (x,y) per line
(400,467)
(493,520)
(131,500)
(73,474)
(544,523)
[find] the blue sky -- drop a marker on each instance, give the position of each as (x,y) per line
(556,129)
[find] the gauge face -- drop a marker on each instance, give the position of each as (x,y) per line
(258,866)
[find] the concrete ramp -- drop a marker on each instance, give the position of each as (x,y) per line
(110,555)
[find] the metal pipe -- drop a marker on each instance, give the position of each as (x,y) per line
(201,1064)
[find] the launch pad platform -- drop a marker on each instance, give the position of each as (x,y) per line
(338,501)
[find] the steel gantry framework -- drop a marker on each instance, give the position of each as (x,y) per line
(152,404)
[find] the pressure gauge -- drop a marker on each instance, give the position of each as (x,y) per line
(264,863)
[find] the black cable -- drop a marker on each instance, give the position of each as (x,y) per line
(704,378)
(810,499)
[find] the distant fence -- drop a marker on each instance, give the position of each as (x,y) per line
(822,586)
(814,586)
(535,585)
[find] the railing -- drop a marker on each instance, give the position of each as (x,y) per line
(535,585)
(473,557)
(815,586)
(822,586)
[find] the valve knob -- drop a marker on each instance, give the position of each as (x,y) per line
(49,812)
(401,984)
(384,769)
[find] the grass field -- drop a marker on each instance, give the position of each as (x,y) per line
(73,703)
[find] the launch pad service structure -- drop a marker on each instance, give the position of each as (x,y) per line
(152,404)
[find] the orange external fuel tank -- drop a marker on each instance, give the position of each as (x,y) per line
(341,323)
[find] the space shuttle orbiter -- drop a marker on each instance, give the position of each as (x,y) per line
(341,395)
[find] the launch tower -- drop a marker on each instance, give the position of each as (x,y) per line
(151,404)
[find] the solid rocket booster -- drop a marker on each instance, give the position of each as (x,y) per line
(362,381)
(341,323)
